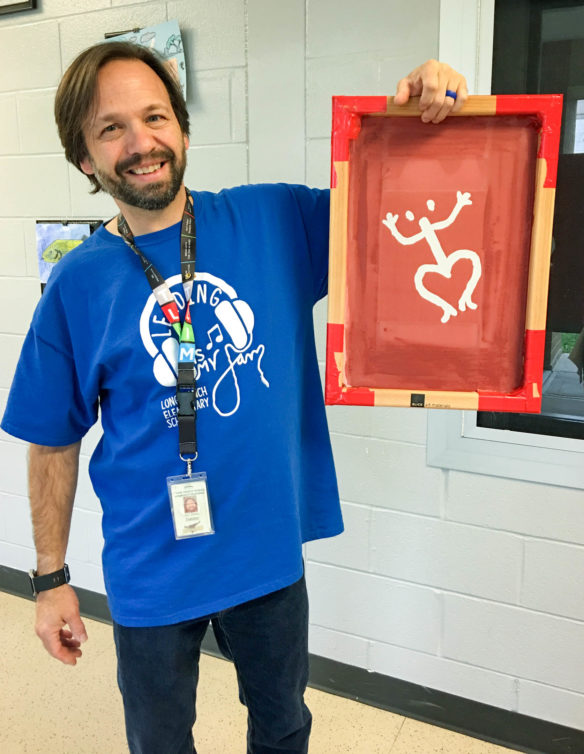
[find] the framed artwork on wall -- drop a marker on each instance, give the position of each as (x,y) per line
(17,5)
(439,253)
(56,238)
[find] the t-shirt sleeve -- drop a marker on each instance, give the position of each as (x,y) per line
(314,206)
(52,400)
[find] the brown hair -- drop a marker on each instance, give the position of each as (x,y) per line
(75,96)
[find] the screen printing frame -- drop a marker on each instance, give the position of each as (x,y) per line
(347,117)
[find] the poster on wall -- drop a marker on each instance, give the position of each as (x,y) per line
(440,246)
(56,238)
(166,39)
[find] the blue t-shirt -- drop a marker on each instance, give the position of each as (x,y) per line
(98,338)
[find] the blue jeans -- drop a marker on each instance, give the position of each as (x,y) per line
(267,639)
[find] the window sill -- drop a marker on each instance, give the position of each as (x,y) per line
(455,442)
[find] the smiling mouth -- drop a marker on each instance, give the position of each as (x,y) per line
(146,170)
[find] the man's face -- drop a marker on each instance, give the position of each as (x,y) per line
(191,505)
(136,148)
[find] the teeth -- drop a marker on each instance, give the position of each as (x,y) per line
(143,171)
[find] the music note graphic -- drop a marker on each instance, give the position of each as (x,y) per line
(218,338)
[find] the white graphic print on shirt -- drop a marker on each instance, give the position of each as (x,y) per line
(228,345)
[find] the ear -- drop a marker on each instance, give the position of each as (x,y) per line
(186,141)
(86,166)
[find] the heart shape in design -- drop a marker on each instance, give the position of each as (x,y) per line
(444,268)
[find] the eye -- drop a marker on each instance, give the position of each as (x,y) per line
(154,118)
(108,129)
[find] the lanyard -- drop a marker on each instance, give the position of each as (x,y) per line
(186,386)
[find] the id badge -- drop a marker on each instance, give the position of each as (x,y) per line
(189,504)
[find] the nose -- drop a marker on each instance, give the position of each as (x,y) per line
(139,139)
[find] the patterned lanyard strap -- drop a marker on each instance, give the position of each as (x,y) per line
(186,386)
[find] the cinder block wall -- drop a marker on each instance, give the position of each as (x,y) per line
(461,582)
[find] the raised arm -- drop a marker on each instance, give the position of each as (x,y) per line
(391,223)
(52,482)
(462,200)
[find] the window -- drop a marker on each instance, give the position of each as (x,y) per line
(455,440)
(539,48)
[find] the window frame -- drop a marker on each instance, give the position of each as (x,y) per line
(454,441)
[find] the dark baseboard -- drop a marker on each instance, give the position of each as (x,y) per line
(499,726)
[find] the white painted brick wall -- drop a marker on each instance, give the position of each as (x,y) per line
(373,607)
(386,474)
(17,556)
(552,579)
(10,346)
(550,702)
(515,641)
(18,299)
(461,582)
(447,675)
(336,645)
(36,107)
(390,28)
(217,167)
(83,204)
(456,558)
(10,139)
(213,33)
(318,162)
(351,549)
(30,56)
(12,249)
(532,509)
(15,520)
(211,109)
(41,176)
(13,468)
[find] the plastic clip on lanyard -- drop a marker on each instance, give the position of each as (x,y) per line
(186,387)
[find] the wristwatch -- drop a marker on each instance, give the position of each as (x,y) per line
(48,580)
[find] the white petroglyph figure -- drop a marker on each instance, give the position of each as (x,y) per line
(444,262)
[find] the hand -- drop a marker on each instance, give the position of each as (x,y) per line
(390,220)
(430,81)
(463,199)
(56,608)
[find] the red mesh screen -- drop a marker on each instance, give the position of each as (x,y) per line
(463,193)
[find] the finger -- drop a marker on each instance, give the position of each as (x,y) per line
(67,639)
(403,91)
(430,89)
(444,92)
(77,628)
(451,105)
(461,95)
(52,643)
(447,104)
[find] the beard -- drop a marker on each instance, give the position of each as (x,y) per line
(151,196)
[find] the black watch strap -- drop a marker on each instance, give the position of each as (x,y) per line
(48,580)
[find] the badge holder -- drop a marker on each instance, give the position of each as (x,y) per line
(188,493)
(189,503)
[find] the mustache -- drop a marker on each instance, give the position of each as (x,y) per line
(161,155)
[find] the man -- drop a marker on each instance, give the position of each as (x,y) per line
(113,330)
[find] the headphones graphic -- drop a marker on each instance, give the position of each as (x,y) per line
(237,319)
(234,320)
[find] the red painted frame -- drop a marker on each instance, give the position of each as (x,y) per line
(347,115)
